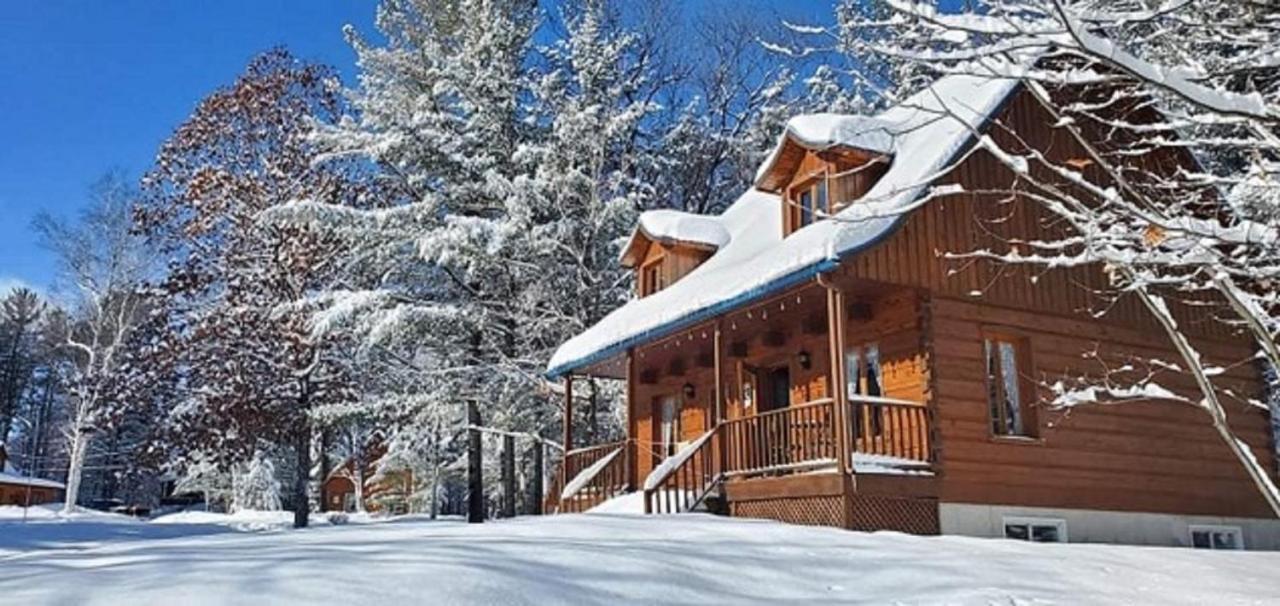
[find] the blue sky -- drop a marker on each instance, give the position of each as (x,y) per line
(93,85)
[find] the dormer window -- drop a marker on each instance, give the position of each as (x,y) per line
(651,279)
(807,202)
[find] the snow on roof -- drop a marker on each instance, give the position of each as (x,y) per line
(670,226)
(820,132)
(928,131)
(680,226)
(14,479)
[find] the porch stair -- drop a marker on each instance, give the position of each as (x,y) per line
(591,476)
(686,480)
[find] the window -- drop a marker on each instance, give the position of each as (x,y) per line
(1006,394)
(1036,530)
(670,425)
(807,203)
(1217,537)
(651,279)
(863,377)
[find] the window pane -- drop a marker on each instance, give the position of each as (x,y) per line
(1044,534)
(668,425)
(873,388)
(852,373)
(806,207)
(1016,531)
(1200,539)
(1224,540)
(993,388)
(873,371)
(820,203)
(1012,399)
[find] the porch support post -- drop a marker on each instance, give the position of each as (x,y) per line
(633,441)
(568,429)
(839,395)
(721,446)
(718,363)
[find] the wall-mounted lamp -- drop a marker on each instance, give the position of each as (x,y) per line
(689,391)
(804,359)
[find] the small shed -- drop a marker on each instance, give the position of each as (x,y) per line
(17,488)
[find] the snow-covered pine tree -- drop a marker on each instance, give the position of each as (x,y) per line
(20,311)
(256,488)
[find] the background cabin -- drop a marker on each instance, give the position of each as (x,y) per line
(16,488)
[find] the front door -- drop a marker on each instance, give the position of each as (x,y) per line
(778,393)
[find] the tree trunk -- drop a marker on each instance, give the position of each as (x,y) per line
(475,473)
(435,491)
(358,482)
(509,477)
(75,467)
(325,468)
(301,477)
(536,489)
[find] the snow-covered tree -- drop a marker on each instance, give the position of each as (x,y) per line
(237,350)
(516,167)
(1177,105)
(256,487)
(20,312)
(102,265)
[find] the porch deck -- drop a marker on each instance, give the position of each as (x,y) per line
(786,465)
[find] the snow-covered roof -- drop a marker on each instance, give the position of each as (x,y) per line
(14,479)
(819,132)
(927,132)
(674,226)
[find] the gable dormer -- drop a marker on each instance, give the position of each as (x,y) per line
(823,163)
(667,244)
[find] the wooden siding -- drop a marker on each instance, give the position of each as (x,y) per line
(675,261)
(914,255)
(16,494)
(1133,457)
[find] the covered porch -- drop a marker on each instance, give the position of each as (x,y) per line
(742,413)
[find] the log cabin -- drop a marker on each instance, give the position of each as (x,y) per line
(811,356)
(387,491)
(17,488)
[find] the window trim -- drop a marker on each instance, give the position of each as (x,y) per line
(1238,531)
(1029,522)
(793,213)
(1027,388)
(654,264)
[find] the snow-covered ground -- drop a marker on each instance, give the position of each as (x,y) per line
(596,559)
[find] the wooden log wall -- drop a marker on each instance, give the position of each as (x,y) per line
(1133,457)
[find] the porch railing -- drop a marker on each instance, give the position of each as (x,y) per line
(686,478)
(787,438)
(609,482)
(894,430)
(887,433)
